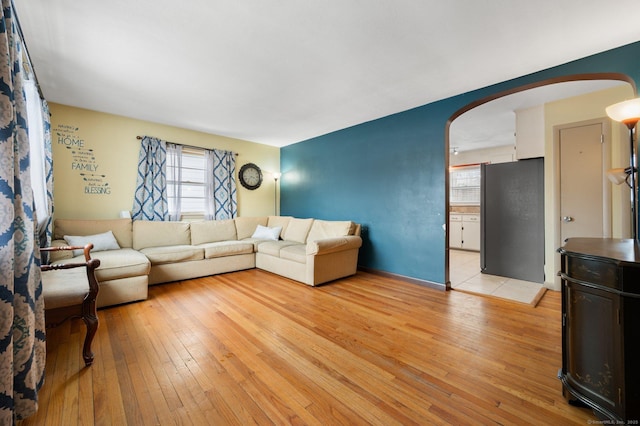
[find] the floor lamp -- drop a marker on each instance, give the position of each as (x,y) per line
(276,176)
(628,113)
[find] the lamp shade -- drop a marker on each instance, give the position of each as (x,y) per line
(627,112)
(617,176)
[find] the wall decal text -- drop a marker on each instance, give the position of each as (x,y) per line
(83,160)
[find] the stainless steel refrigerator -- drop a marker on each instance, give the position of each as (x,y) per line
(512,220)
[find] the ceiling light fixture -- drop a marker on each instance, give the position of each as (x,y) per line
(628,112)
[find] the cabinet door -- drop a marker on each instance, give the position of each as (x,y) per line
(455,231)
(593,346)
(471,232)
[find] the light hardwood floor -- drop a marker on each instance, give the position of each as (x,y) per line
(254,348)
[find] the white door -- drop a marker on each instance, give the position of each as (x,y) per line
(582,180)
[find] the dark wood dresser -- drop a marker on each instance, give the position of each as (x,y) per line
(601,326)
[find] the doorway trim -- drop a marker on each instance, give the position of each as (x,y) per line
(497,95)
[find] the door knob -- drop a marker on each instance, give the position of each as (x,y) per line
(567,219)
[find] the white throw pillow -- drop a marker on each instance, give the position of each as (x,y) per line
(101,242)
(266,233)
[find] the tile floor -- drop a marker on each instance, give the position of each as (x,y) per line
(465,275)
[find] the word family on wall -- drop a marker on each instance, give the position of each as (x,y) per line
(83,160)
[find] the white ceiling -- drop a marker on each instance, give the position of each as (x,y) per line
(493,124)
(278,72)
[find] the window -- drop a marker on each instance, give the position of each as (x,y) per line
(186,181)
(37,154)
(464,185)
(169,173)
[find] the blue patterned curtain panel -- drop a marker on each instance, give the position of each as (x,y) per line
(221,202)
(22,335)
(150,199)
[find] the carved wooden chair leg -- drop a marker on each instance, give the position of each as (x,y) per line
(89,312)
(91,321)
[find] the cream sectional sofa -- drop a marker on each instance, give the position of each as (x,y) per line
(136,254)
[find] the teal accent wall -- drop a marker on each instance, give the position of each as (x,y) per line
(389,174)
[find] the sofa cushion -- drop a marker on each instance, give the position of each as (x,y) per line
(116,264)
(246,226)
(329,229)
(282,221)
(255,241)
(296,252)
(147,233)
(226,248)
(273,247)
(209,231)
(121,229)
(173,254)
(297,230)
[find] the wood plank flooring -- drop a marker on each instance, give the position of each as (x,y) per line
(251,347)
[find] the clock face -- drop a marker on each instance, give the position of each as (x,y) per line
(250,176)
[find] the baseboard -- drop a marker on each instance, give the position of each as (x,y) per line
(424,283)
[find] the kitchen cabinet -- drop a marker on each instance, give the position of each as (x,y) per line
(601,326)
(464,231)
(530,135)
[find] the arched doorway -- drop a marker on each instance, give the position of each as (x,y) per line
(551,178)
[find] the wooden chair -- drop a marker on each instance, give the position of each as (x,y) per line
(70,292)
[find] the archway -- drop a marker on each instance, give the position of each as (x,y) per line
(552,264)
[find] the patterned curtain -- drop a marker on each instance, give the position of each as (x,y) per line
(22,333)
(220,202)
(150,200)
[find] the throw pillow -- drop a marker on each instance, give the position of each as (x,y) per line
(101,242)
(266,233)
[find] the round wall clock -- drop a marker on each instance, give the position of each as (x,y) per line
(250,176)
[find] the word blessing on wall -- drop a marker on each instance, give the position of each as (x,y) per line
(83,160)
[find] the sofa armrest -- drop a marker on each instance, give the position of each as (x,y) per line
(332,245)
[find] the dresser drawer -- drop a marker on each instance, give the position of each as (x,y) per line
(593,271)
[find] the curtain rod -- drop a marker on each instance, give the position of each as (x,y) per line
(187,146)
